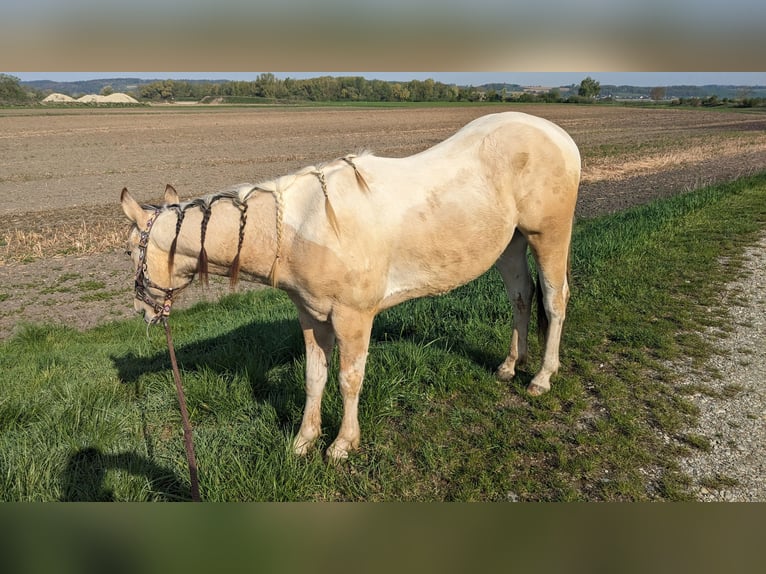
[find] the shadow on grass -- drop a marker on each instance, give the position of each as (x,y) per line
(255,348)
(452,337)
(266,346)
(260,352)
(260,347)
(83,478)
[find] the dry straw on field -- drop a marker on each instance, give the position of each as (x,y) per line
(18,245)
(626,165)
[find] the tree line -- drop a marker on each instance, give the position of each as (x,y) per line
(268,88)
(321,89)
(355,88)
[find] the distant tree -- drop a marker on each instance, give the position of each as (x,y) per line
(400,93)
(657,93)
(553,95)
(266,85)
(382,91)
(107,91)
(429,91)
(468,94)
(711,101)
(589,88)
(162,90)
(492,96)
(11,91)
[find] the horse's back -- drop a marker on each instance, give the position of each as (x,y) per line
(519,166)
(437,219)
(518,127)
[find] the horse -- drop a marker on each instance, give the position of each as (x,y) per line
(357,235)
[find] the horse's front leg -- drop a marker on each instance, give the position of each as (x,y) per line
(353,330)
(320,340)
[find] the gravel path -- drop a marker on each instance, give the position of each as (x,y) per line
(733,406)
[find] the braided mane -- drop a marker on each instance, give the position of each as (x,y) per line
(239,195)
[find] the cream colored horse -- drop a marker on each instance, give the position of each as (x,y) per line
(364,233)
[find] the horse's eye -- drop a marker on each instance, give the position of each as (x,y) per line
(128,253)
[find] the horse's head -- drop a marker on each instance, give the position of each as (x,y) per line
(155,282)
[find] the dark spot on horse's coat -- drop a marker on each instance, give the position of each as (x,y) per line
(433,200)
(520,161)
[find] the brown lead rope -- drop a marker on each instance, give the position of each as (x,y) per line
(188,439)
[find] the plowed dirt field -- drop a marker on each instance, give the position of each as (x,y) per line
(61,172)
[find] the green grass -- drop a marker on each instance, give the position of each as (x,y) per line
(93,415)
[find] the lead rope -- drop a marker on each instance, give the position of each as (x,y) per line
(188,438)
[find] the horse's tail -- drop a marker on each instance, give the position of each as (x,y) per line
(542,316)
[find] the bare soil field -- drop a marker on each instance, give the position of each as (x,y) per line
(61,172)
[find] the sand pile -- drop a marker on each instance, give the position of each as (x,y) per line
(57,98)
(117,98)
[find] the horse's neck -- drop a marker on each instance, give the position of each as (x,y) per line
(222,235)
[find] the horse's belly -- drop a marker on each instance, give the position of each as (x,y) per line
(439,261)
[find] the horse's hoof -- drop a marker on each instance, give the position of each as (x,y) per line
(505,374)
(338,450)
(302,446)
(336,454)
(536,390)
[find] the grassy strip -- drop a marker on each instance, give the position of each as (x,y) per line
(92,416)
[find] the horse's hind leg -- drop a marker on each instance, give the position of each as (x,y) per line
(551,251)
(514,270)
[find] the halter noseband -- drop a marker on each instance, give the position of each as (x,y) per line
(142,283)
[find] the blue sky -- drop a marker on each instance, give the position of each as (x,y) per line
(461,78)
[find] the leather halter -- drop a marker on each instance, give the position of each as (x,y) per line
(142,283)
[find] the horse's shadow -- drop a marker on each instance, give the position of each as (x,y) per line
(397,327)
(261,346)
(85,473)
(254,349)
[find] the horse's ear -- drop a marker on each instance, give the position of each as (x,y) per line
(171,195)
(132,209)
